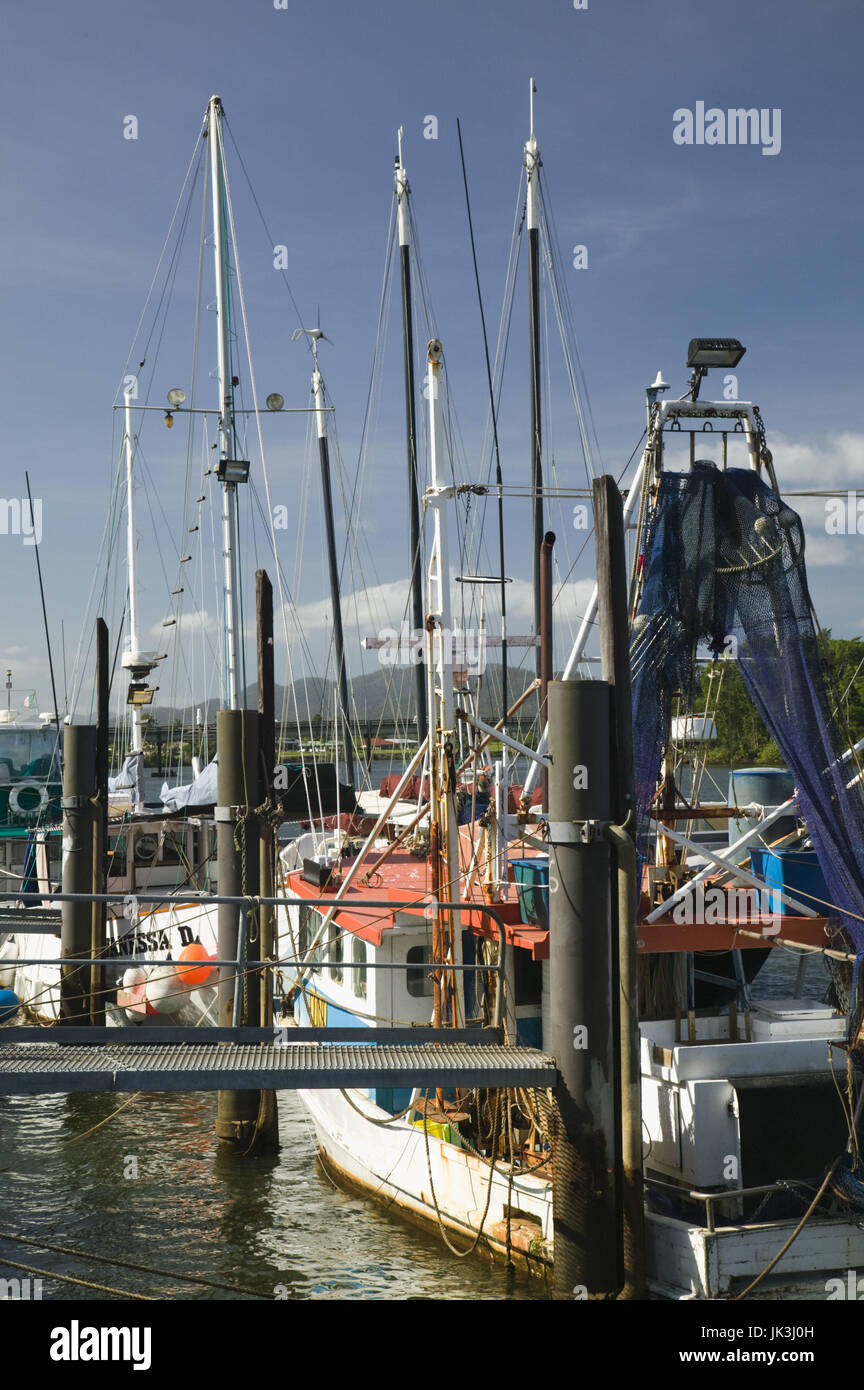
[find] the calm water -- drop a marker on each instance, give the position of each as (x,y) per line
(258,1224)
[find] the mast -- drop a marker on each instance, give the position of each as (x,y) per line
(404,229)
(138,663)
(137,725)
(444,833)
(532,165)
(335,596)
(231,618)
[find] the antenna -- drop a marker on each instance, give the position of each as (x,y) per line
(532,90)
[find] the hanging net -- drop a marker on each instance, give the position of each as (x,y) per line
(724,558)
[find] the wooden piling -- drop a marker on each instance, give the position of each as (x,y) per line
(612,608)
(79,785)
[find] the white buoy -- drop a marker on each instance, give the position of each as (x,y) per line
(164,991)
(8,967)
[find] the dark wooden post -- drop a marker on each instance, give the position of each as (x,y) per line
(79,785)
(612,611)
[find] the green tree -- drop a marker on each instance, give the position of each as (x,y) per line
(743,740)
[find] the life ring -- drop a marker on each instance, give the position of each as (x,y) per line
(15,795)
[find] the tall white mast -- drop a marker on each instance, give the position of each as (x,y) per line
(226,410)
(532,221)
(437,499)
(138,663)
(131,544)
(137,727)
(441,702)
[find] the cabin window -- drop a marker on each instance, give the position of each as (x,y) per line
(28,753)
(528,978)
(358,955)
(419,984)
(117,857)
(335,955)
(310,923)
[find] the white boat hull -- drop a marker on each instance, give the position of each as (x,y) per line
(692,1262)
(390,1163)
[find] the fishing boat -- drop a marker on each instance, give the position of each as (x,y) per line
(29,806)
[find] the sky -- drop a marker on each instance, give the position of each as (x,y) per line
(681,240)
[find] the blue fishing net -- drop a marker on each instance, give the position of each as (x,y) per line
(724,557)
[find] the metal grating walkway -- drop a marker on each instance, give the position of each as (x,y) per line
(39,1068)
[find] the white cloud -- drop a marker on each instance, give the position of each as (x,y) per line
(838,462)
(187,625)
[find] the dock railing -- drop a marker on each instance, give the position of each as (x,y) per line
(241,970)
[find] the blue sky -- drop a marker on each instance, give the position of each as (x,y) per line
(681,241)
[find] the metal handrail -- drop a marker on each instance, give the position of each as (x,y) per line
(710,1198)
(245,902)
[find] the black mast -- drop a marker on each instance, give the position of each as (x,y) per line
(499,482)
(532,164)
(417,615)
(335,595)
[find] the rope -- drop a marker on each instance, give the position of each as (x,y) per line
(798,1229)
(461,1254)
(83,1283)
(124,1264)
(83,1135)
(371,1118)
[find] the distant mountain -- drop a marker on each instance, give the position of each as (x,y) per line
(387,693)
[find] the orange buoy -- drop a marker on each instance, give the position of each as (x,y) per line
(192,976)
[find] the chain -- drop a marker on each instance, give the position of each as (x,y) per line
(240,844)
(763,453)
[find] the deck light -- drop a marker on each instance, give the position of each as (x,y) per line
(233,470)
(140,695)
(703,353)
(176,396)
(275,401)
(714,352)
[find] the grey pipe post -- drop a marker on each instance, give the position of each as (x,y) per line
(583,1036)
(268,1116)
(612,608)
(547,660)
(79,786)
(100,827)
